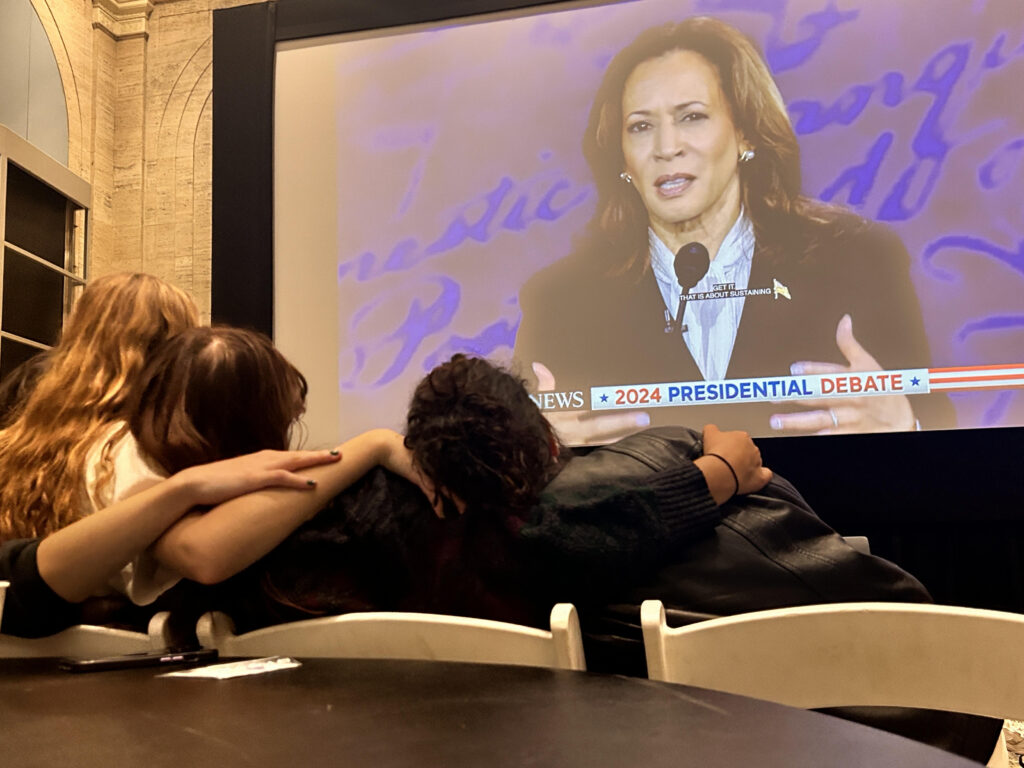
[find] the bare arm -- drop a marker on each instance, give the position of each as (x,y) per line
(79,560)
(211,546)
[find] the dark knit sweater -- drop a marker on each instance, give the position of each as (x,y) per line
(583,540)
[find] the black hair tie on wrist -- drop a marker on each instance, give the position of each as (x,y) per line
(733,471)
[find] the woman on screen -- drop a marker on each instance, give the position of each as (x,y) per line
(690,145)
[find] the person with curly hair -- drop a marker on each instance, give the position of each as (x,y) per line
(692,519)
(528,522)
(479,438)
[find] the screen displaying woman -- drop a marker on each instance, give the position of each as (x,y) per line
(448,204)
(690,145)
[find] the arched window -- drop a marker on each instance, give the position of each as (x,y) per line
(43,205)
(32,101)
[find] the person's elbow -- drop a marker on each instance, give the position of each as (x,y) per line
(197,561)
(209,572)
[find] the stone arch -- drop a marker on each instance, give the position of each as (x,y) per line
(54,28)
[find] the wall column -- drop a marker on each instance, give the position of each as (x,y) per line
(121,34)
(138,80)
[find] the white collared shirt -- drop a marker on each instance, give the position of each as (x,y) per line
(711,324)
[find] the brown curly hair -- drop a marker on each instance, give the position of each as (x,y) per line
(474,431)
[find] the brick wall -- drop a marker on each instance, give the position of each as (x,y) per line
(137,77)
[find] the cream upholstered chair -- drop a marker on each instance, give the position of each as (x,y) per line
(86,640)
(850,654)
(391,635)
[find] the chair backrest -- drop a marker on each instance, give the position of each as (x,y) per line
(849,654)
(88,641)
(387,635)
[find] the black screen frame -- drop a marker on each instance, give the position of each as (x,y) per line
(942,503)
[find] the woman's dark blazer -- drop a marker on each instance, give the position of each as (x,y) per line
(592,329)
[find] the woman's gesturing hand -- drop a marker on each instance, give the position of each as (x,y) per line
(889,413)
(222,480)
(587,427)
(731,464)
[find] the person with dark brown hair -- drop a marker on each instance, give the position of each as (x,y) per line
(214,392)
(206,394)
(210,394)
(689,142)
(531,523)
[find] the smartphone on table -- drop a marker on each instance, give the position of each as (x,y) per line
(144,659)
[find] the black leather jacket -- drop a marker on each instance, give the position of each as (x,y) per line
(770,550)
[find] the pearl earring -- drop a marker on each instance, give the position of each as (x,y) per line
(746,155)
(626,177)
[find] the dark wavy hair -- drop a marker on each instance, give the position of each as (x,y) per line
(474,431)
(770,183)
(214,393)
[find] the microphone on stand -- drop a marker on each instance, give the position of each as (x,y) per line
(692,263)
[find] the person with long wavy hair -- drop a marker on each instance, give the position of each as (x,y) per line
(91,373)
(689,142)
(50,578)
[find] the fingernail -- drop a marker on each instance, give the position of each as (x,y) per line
(775,422)
(796,369)
(311,483)
(335,452)
(643,420)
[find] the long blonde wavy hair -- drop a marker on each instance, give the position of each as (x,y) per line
(113,329)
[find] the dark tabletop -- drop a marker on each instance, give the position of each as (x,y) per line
(407,713)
